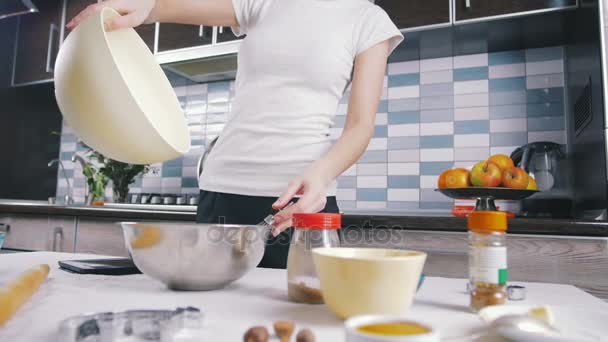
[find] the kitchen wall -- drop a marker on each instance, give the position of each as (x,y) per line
(434,114)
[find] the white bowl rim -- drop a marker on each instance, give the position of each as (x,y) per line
(354,322)
(101,16)
(407,254)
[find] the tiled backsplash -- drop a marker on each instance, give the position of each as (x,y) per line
(434,114)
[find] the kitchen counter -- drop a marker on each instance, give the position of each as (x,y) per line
(257,299)
(409,220)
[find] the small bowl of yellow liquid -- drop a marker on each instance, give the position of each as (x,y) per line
(382,328)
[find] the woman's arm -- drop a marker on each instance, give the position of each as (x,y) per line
(137,12)
(370,67)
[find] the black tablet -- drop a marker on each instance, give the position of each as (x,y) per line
(116,266)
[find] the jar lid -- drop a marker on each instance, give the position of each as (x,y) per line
(487,221)
(317,221)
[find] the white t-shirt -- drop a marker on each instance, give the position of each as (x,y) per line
(293,68)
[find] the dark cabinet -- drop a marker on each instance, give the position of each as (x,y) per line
(179,36)
(415,13)
(224,34)
(38,41)
(478,9)
(73,7)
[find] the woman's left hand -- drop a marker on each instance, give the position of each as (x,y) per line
(312,186)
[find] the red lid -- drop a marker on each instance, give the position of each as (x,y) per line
(317,221)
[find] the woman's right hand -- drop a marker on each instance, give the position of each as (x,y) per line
(133,13)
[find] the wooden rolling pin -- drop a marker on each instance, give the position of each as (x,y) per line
(17,292)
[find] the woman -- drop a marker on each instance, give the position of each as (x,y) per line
(293,68)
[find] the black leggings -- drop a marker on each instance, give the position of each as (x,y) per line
(217,207)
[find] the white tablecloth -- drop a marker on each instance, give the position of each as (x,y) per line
(259,298)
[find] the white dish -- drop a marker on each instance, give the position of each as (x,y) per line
(576,324)
(115,96)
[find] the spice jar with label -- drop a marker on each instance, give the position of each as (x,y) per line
(487,258)
(310,231)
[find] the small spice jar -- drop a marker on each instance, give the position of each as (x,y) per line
(310,231)
(487,258)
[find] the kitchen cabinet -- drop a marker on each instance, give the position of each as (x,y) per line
(38,40)
(100,236)
(479,9)
(416,13)
(179,36)
(73,7)
(39,232)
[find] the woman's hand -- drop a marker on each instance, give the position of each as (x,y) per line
(133,13)
(312,186)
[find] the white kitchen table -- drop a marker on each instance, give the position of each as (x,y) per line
(259,298)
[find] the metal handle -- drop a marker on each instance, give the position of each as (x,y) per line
(49,50)
(57,238)
(201,31)
(221,29)
(6,226)
(467,3)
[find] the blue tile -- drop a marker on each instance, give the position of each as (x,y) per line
(66,156)
(509,139)
(437,115)
(507,84)
(434,168)
(189,182)
(383,106)
(403,143)
(437,89)
(347,204)
(545,109)
(544,54)
(430,195)
(381,131)
(499,98)
(470,74)
(68,173)
(191,160)
(403,80)
(508,112)
(404,105)
(471,126)
(545,95)
(547,123)
(174,162)
(374,157)
(402,205)
(507,57)
(197,142)
(406,117)
(436,205)
(137,183)
(371,194)
(339,121)
(402,182)
(437,102)
(218,87)
(347,182)
(68,138)
(81,148)
(437,141)
(170,171)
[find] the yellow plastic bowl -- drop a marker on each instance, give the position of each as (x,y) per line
(368,281)
(116,97)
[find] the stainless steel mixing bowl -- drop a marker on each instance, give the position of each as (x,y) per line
(189,256)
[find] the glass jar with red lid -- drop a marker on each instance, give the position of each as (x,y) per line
(310,231)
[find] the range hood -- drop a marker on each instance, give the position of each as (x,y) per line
(11,8)
(208,69)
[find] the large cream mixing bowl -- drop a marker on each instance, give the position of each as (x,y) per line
(368,281)
(115,96)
